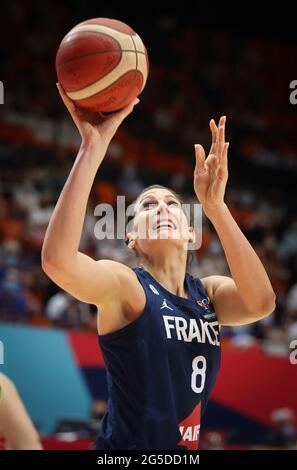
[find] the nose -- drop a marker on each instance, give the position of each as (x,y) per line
(162,207)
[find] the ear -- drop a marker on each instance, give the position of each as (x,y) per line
(192,235)
(130,240)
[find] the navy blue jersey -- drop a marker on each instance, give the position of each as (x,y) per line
(161,369)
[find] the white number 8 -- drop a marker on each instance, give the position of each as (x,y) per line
(198,371)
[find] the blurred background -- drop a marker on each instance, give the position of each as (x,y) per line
(201,67)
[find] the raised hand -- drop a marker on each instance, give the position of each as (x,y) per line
(211,174)
(95,128)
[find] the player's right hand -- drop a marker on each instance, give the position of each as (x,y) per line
(94,128)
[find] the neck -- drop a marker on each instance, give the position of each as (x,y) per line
(169,271)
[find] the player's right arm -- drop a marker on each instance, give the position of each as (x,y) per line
(96,282)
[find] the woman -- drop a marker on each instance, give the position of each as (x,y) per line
(17,431)
(158,326)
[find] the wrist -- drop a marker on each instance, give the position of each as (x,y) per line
(92,152)
(93,145)
(214,211)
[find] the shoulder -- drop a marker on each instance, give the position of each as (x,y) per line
(123,279)
(115,267)
(119,271)
(125,301)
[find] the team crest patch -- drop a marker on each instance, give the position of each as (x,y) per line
(204,303)
(208,314)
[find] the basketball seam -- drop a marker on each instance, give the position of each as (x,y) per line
(96,33)
(135,70)
(98,92)
(113,28)
(107,73)
(103,34)
(97,52)
(133,82)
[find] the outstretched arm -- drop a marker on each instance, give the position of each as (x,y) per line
(86,279)
(247,296)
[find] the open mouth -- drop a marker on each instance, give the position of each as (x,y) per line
(164,224)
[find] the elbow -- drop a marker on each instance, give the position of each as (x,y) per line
(269,303)
(54,265)
(49,262)
(46,260)
(266,306)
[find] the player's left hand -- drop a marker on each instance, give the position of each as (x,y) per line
(211,174)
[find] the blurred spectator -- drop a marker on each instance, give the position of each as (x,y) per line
(71,428)
(212,441)
(288,244)
(98,410)
(284,434)
(63,309)
(12,300)
(291,302)
(275,342)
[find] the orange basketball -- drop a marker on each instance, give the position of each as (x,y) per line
(102,64)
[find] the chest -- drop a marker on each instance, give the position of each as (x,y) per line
(188,325)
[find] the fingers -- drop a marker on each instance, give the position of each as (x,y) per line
(123,113)
(222,148)
(221,141)
(211,163)
(224,157)
(67,101)
(214,131)
(200,157)
(218,137)
(117,118)
(112,122)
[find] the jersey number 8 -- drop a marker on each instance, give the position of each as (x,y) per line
(199,370)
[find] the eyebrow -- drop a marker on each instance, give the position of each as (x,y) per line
(168,196)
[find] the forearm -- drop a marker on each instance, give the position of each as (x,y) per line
(64,231)
(245,266)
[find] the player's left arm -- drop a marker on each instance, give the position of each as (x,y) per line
(231,306)
(247,296)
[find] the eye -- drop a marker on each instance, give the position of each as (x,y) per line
(149,204)
(173,202)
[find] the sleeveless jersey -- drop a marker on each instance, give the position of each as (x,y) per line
(161,369)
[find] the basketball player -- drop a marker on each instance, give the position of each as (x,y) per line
(158,326)
(17,431)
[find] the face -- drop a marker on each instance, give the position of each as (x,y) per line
(159,218)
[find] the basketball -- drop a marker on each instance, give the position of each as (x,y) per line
(102,64)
